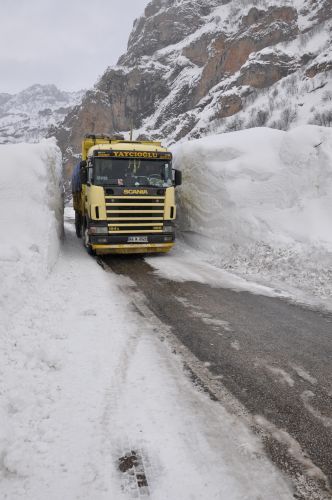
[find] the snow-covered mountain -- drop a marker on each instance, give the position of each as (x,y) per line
(27,116)
(196,67)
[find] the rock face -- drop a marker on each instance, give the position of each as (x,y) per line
(27,116)
(199,66)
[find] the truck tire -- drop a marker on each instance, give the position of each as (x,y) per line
(78,224)
(86,239)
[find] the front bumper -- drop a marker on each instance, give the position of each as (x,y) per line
(122,239)
(112,243)
(130,248)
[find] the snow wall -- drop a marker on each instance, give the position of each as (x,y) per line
(31,216)
(259,202)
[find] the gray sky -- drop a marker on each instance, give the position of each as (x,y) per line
(66,42)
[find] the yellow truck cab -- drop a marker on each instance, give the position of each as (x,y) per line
(124,196)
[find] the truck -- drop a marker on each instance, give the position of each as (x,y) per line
(124,196)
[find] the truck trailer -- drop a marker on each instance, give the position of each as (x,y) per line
(124,196)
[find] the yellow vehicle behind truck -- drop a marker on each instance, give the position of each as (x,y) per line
(124,196)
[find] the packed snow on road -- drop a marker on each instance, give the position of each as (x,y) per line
(257,205)
(93,404)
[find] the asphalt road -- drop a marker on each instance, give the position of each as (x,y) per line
(273,356)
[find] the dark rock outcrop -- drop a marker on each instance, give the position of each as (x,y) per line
(317,68)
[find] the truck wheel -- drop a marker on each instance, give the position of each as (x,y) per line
(78,224)
(86,239)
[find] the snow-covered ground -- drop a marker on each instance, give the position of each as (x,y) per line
(85,380)
(257,203)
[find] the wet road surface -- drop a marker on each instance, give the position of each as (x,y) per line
(274,357)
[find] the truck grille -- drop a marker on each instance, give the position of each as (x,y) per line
(135,214)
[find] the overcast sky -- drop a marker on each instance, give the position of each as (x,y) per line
(66,42)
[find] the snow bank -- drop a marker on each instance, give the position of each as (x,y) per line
(259,202)
(31,217)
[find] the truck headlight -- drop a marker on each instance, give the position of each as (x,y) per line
(168,229)
(98,230)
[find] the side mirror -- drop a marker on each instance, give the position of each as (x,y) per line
(84,176)
(178,177)
(83,164)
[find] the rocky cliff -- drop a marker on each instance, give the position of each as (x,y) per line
(199,66)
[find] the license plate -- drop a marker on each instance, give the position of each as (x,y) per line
(137,239)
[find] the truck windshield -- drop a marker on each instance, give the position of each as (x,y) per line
(132,172)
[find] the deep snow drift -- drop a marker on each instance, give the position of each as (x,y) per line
(258,203)
(31,215)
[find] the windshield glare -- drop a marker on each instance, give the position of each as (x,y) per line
(132,172)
